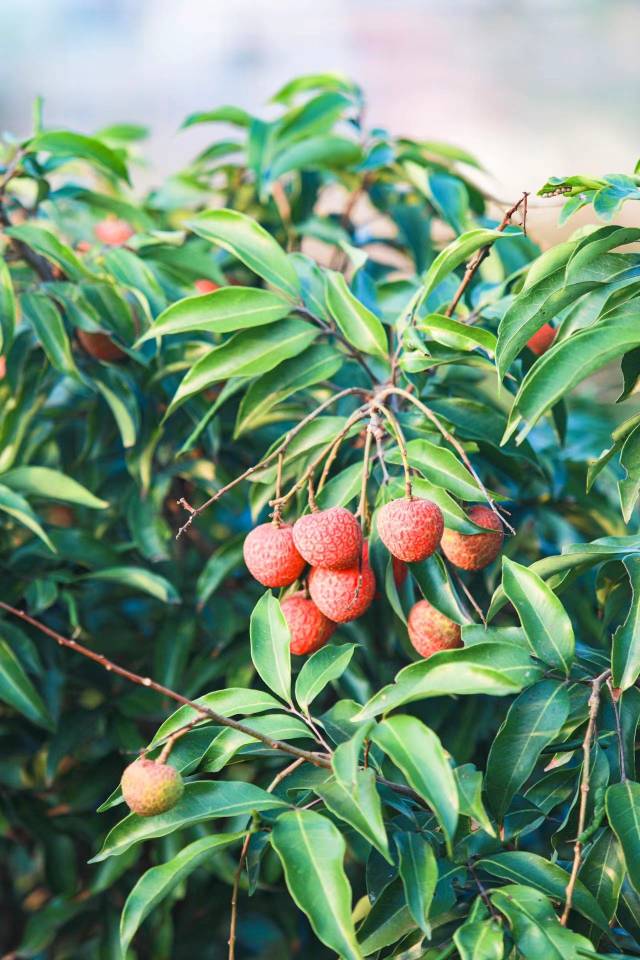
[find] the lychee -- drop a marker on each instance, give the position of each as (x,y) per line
(3,367)
(400,571)
(271,555)
(410,529)
(430,631)
(100,346)
(475,550)
(309,627)
(150,788)
(542,339)
(113,232)
(206,286)
(331,539)
(343,595)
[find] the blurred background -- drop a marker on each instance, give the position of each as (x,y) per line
(532,87)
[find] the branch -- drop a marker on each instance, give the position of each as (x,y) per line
(483,253)
(594,704)
(356,354)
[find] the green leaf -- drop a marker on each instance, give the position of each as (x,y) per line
(536,929)
(49,329)
(321,668)
(312,853)
(270,643)
(201,801)
(227,743)
(137,578)
(625,652)
(435,585)
(359,805)
(545,622)
(359,325)
(622,801)
(315,153)
(18,508)
(480,940)
(121,401)
(48,245)
(313,81)
(534,719)
(232,702)
(459,336)
(441,467)
(17,690)
(418,753)
(7,308)
(158,882)
(319,362)
(221,563)
(226,114)
(388,921)
(247,354)
(51,485)
(469,784)
(62,143)
(602,871)
(419,874)
(454,254)
(535,871)
(223,311)
(494,669)
(251,244)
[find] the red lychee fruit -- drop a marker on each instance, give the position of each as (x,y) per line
(331,539)
(542,339)
(113,232)
(309,627)
(343,595)
(3,367)
(400,571)
(430,631)
(271,555)
(150,788)
(475,550)
(410,529)
(206,286)
(83,246)
(100,346)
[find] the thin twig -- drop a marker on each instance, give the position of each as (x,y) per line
(362,511)
(233,922)
(482,891)
(391,418)
(594,704)
(483,253)
(378,433)
(333,331)
(470,597)
(616,714)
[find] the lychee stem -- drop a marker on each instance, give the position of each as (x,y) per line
(393,421)
(311,497)
(362,510)
(276,516)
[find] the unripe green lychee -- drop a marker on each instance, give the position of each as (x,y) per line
(150,788)
(271,555)
(430,631)
(410,529)
(475,550)
(309,627)
(331,539)
(113,232)
(343,595)
(542,339)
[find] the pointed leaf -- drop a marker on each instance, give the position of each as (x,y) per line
(622,802)
(51,485)
(625,653)
(359,325)
(18,508)
(359,805)
(270,645)
(17,690)
(137,578)
(419,874)
(321,668)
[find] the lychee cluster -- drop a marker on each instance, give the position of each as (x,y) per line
(150,787)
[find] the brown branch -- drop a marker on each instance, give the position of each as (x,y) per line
(483,253)
(594,704)
(362,511)
(233,922)
(327,328)
(281,448)
(616,714)
(402,445)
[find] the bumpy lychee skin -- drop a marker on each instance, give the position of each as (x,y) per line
(150,788)
(113,232)
(100,346)
(309,627)
(331,539)
(336,594)
(542,339)
(206,286)
(271,556)
(410,529)
(475,551)
(430,631)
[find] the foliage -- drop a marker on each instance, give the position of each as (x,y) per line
(450,815)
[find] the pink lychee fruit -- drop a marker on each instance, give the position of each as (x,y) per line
(206,286)
(410,529)
(113,232)
(343,595)
(271,555)
(309,627)
(542,339)
(475,550)
(331,539)
(150,788)
(430,631)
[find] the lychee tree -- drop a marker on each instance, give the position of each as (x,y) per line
(317,554)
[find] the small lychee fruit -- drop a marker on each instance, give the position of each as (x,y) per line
(3,367)
(475,550)
(150,788)
(271,555)
(83,246)
(206,286)
(542,339)
(430,631)
(331,539)
(400,571)
(309,627)
(100,346)
(410,529)
(343,595)
(113,232)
